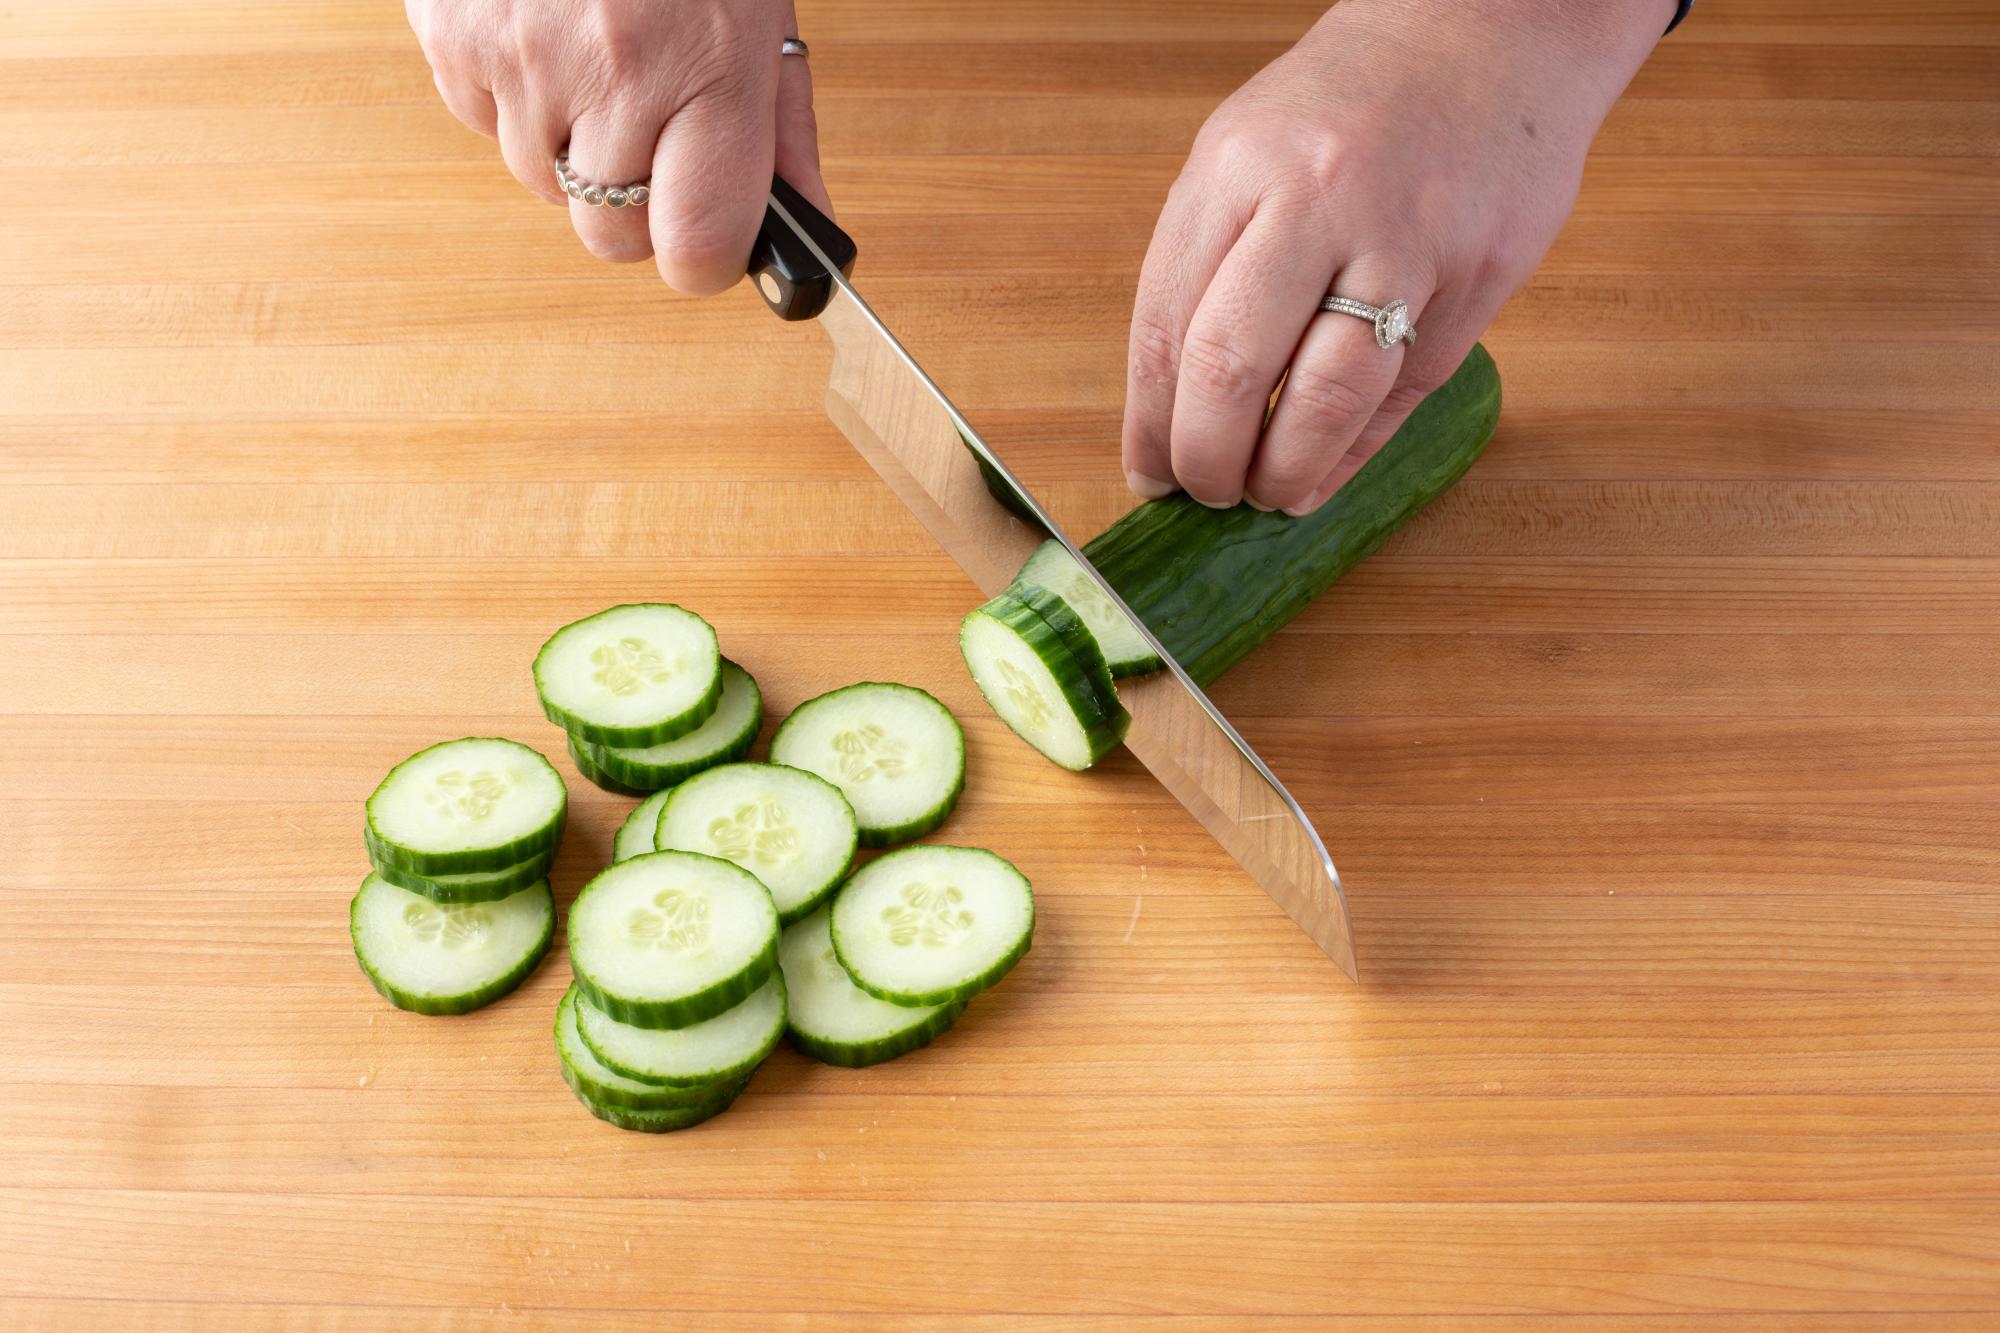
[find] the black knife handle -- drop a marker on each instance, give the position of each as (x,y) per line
(786,274)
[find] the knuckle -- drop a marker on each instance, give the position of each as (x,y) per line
(1329,401)
(1155,354)
(697,254)
(1218,370)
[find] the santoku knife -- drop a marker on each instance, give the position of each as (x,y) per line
(906,428)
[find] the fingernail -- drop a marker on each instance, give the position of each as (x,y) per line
(1252,502)
(1149,488)
(1217,504)
(1301,510)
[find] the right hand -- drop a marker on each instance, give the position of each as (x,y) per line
(693,94)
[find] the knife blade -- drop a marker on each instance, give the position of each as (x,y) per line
(939,465)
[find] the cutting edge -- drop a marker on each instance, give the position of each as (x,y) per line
(992,460)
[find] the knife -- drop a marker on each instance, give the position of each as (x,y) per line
(986,520)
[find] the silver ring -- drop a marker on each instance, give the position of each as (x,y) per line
(1391,321)
(599,196)
(792,46)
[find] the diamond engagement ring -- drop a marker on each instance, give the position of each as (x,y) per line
(598,196)
(1391,321)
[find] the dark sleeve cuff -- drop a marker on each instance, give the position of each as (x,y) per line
(1680,12)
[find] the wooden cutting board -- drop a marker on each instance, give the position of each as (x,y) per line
(1662,759)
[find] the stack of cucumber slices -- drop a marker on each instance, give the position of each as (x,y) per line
(457,910)
(733,912)
(646,697)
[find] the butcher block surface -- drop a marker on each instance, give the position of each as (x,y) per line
(1661,758)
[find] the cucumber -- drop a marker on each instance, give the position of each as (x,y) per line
(832,1019)
(671,939)
(1052,688)
(633,675)
(448,958)
(724,1049)
(597,777)
(635,835)
(483,887)
(724,737)
(1125,650)
(932,925)
(466,807)
(896,753)
(1212,584)
(792,830)
(655,1122)
(594,1081)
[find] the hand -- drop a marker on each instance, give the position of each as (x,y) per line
(1421,150)
(693,94)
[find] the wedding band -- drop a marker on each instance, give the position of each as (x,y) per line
(792,46)
(1391,321)
(599,196)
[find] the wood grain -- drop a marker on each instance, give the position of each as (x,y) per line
(1661,758)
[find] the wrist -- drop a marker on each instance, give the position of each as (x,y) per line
(1593,44)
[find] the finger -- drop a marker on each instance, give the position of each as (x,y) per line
(798,130)
(711,177)
(1337,380)
(614,146)
(1242,336)
(531,134)
(1189,243)
(465,99)
(1449,332)
(1451,325)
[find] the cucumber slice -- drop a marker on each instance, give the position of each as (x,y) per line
(1126,652)
(655,1122)
(596,776)
(896,753)
(724,737)
(448,958)
(1047,688)
(790,829)
(483,887)
(635,835)
(670,939)
(932,925)
(595,1081)
(832,1019)
(724,1049)
(1061,617)
(633,675)
(465,807)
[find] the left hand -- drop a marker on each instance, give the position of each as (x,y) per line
(1418,150)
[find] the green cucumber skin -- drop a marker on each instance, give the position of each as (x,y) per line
(596,777)
(1187,570)
(892,835)
(447,1005)
(662,1121)
(660,1097)
(519,878)
(1061,617)
(475,860)
(1103,731)
(738,1075)
(688,1010)
(862,1054)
